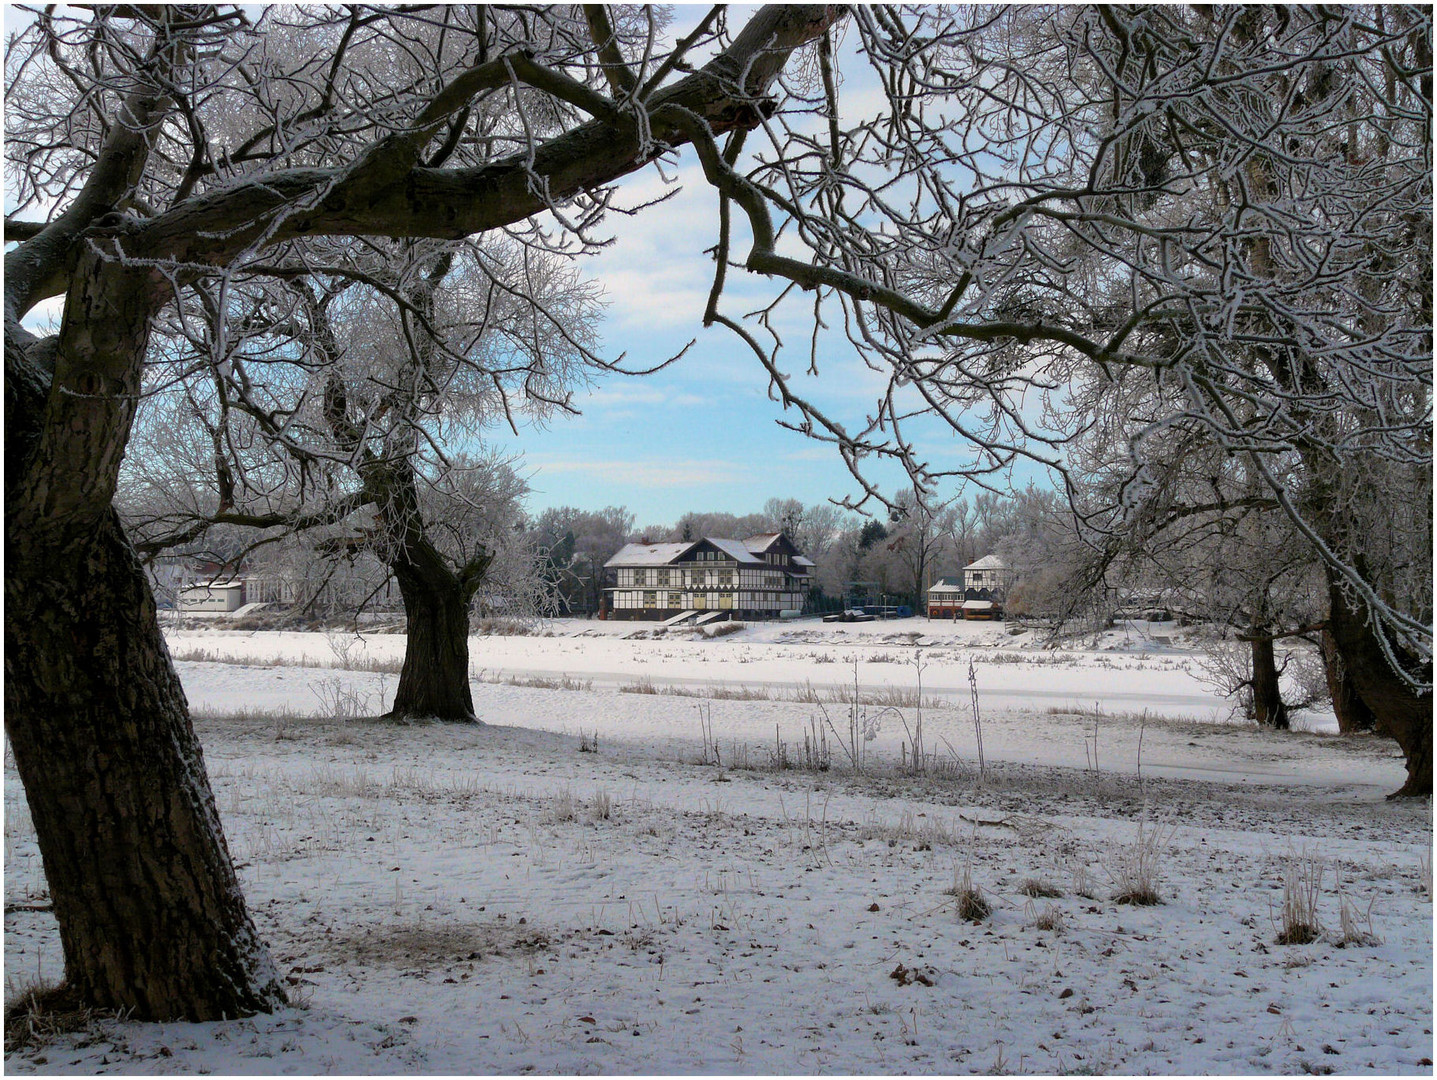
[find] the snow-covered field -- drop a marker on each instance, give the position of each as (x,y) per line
(452,899)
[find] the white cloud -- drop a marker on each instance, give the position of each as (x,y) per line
(629,395)
(649,474)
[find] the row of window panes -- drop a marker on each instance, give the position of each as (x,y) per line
(684,601)
(722,577)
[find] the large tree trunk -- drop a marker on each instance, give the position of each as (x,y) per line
(1399,710)
(1268,708)
(434,681)
(1353,715)
(151,915)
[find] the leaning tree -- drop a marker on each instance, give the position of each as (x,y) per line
(154,151)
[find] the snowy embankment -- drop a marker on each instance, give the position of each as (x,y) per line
(1129,669)
(494,899)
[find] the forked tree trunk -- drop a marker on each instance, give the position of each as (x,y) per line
(151,915)
(1267,705)
(1353,715)
(1400,711)
(434,682)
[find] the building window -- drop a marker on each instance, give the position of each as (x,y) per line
(663,577)
(651,599)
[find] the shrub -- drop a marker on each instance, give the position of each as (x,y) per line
(723,629)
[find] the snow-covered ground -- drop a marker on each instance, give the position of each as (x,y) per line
(495,899)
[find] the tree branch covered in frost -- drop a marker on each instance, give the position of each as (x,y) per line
(1228,206)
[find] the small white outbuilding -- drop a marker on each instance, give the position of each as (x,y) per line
(217,596)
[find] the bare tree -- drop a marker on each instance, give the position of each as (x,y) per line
(576,545)
(1233,203)
(156,152)
(918,539)
(1218,549)
(817,531)
(340,390)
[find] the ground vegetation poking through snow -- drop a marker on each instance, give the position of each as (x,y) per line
(491,899)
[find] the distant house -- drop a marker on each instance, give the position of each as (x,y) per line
(985,588)
(174,577)
(945,598)
(980,593)
(756,578)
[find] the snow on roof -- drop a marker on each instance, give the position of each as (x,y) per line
(987,562)
(648,554)
(803,560)
(760,541)
(977,605)
(947,584)
(737,549)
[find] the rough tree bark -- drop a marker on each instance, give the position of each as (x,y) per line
(434,682)
(1353,715)
(1400,711)
(151,914)
(1269,710)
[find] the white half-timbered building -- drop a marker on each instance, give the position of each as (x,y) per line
(980,593)
(755,578)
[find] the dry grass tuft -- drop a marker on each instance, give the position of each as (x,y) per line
(1050,918)
(1038,887)
(973,906)
(335,782)
(1355,923)
(506,627)
(544,682)
(1136,868)
(564,807)
(343,661)
(45,1011)
(1301,887)
(601,807)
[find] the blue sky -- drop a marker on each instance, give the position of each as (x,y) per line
(702,434)
(699,435)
